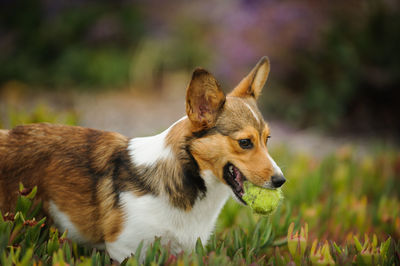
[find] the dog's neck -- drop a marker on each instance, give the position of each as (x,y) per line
(166,167)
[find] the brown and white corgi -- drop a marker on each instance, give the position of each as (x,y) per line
(114,192)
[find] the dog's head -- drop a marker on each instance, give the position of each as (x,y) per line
(231,134)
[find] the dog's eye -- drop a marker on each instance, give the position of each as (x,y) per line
(245,143)
(266,142)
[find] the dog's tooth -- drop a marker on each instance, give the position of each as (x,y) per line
(231,169)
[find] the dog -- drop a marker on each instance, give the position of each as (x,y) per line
(113,192)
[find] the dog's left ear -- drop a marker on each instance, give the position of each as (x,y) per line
(204,100)
(253,83)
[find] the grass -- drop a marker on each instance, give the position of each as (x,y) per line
(348,210)
(343,209)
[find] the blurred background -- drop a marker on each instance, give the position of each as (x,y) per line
(332,98)
(124,65)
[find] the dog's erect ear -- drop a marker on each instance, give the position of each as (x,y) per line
(253,83)
(204,100)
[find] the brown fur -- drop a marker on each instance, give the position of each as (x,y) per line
(177,177)
(252,84)
(204,100)
(83,170)
(179,139)
(112,217)
(214,151)
(66,163)
(236,121)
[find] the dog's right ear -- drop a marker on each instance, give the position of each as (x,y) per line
(204,100)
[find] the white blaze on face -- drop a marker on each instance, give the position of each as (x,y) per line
(251,110)
(277,170)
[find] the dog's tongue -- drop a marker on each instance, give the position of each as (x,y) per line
(238,178)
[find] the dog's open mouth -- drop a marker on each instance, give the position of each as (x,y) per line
(235,179)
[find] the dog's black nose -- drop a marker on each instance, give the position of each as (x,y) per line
(277,180)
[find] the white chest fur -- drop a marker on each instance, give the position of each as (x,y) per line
(149,216)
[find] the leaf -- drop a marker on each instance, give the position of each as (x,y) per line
(266,236)
(357,244)
(384,248)
(32,194)
(23,205)
(67,252)
(290,231)
(138,252)
(199,249)
(337,248)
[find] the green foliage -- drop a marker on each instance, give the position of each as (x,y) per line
(96,44)
(85,44)
(41,113)
(183,51)
(328,205)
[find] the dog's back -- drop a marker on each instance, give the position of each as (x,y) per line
(69,165)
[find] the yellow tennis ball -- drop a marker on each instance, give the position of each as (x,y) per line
(262,200)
